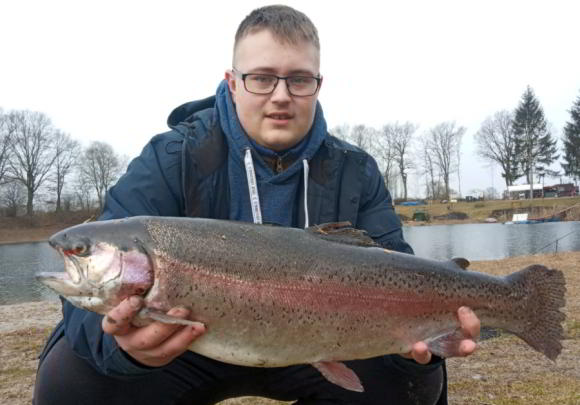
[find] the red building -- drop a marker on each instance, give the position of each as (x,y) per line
(561,190)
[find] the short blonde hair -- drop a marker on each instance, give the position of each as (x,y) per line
(285,23)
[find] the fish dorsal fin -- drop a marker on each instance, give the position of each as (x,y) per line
(461,262)
(342,232)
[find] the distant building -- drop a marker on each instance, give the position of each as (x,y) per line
(522,191)
(561,190)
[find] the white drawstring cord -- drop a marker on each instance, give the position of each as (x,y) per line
(253,187)
(306,169)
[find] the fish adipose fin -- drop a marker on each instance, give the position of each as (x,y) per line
(339,374)
(164,318)
(342,232)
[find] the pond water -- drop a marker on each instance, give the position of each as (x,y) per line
(19,262)
(492,241)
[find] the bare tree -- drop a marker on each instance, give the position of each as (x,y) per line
(458,156)
(363,137)
(83,194)
(360,135)
(67,151)
(31,151)
(496,143)
(100,167)
(386,156)
(429,168)
(5,139)
(341,131)
(490,193)
(443,142)
(401,136)
(12,197)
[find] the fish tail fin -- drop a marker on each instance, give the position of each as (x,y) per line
(540,317)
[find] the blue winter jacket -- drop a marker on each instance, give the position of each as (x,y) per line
(183,172)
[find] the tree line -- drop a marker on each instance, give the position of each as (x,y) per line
(37,159)
(521,142)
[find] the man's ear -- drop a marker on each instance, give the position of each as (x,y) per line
(232,84)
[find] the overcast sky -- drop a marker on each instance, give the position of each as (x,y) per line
(113,70)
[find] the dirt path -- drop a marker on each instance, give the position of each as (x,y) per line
(504,371)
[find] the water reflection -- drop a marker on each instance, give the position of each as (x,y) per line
(492,241)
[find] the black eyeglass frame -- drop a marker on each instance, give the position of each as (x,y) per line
(278,78)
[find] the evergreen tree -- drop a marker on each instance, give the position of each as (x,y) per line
(571,164)
(535,147)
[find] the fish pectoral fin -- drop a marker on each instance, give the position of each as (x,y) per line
(339,374)
(446,345)
(164,318)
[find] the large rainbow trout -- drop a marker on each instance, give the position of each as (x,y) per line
(272,296)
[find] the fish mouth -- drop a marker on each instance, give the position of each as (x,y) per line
(71,282)
(61,282)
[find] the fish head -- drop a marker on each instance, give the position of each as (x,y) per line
(105,262)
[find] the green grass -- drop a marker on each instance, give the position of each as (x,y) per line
(478,211)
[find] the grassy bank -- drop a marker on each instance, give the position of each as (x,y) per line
(504,370)
(502,210)
(40,226)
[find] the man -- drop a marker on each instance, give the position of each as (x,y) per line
(258,151)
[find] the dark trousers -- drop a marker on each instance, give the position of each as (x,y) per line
(64,378)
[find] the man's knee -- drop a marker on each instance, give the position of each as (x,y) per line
(64,378)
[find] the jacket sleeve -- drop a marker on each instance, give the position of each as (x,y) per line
(151,186)
(376,213)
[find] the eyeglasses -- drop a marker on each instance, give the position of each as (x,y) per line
(262,83)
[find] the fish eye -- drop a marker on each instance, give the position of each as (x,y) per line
(81,250)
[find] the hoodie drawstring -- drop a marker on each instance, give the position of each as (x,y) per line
(253,189)
(306,169)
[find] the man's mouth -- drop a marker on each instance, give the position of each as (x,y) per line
(279,116)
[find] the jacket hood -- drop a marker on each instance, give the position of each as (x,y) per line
(185,112)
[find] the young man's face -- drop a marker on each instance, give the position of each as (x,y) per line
(278,120)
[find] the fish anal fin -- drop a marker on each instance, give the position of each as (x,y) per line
(461,262)
(339,374)
(342,232)
(446,345)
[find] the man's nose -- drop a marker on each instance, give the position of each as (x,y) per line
(281,92)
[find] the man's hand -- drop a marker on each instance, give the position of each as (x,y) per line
(470,327)
(153,345)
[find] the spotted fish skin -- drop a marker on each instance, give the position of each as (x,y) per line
(274,296)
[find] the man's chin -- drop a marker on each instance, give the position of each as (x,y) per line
(279,140)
